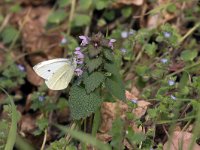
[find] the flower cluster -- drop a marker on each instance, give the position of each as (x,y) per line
(84,42)
(80,55)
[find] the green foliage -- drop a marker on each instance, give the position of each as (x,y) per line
(189,55)
(42,124)
(82,104)
(93,81)
(126,12)
(117,134)
(108,55)
(84,138)
(135,138)
(115,89)
(4,128)
(63,3)
(150,49)
(60,144)
(109,15)
(85,5)
(57,17)
(11,119)
(9,34)
(101,4)
(12,77)
(81,20)
(93,64)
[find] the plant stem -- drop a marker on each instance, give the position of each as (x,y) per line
(189,32)
(71,16)
(44,140)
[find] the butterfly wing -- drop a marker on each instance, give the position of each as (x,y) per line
(61,78)
(47,68)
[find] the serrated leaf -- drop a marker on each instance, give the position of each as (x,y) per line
(112,68)
(82,104)
(93,81)
(93,51)
(115,88)
(108,55)
(93,64)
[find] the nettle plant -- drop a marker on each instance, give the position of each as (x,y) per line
(98,76)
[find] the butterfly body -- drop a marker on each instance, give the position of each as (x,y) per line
(56,72)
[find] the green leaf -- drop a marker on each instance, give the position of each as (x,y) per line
(117,134)
(112,68)
(101,4)
(81,20)
(188,55)
(15,8)
(85,138)
(13,127)
(135,137)
(93,51)
(57,17)
(93,81)
(82,104)
(93,64)
(108,55)
(172,8)
(150,49)
(1,18)
(109,15)
(85,5)
(126,12)
(9,34)
(63,3)
(115,89)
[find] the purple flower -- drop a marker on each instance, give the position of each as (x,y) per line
(124,34)
(78,71)
(173,97)
(85,40)
(21,67)
(167,34)
(79,61)
(123,50)
(134,101)
(171,82)
(77,48)
(41,98)
(164,60)
(79,54)
(63,40)
(110,44)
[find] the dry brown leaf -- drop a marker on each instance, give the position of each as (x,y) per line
(108,114)
(109,111)
(141,109)
(131,96)
(32,77)
(27,124)
(104,137)
(180,140)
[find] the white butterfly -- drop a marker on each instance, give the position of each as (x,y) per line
(56,72)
